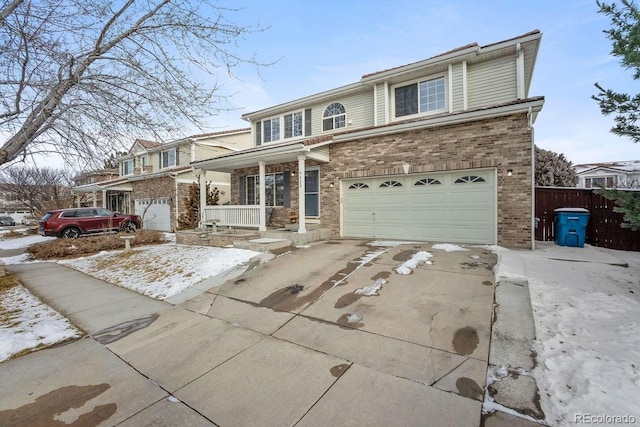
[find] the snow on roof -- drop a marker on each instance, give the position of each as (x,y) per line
(624,166)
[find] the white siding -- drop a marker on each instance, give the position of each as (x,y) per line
(458,100)
(380,104)
(359,110)
(492,82)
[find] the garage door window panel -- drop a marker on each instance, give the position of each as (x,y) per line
(358,186)
(469,179)
(388,184)
(427,181)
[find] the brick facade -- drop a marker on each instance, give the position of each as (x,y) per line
(502,143)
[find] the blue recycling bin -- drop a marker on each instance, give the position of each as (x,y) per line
(571,226)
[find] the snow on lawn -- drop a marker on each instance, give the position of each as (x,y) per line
(160,271)
(23,242)
(27,323)
(587,320)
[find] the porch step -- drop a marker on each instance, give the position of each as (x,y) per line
(263,244)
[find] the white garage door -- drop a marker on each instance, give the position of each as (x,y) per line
(438,207)
(155,213)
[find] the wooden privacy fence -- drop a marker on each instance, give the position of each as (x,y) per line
(604,224)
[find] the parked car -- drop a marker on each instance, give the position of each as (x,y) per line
(7,220)
(29,220)
(71,223)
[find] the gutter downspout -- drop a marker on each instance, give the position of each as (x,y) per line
(533,178)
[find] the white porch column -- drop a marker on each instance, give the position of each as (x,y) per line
(104,198)
(78,203)
(95,199)
(203,193)
(301,192)
(263,197)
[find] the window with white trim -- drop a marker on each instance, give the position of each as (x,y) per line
(600,182)
(334,117)
(274,189)
(271,129)
(168,158)
(421,97)
(144,160)
(127,167)
(293,124)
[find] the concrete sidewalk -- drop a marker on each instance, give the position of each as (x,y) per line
(290,342)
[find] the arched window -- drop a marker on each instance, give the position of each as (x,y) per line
(334,117)
(468,179)
(358,185)
(390,184)
(427,181)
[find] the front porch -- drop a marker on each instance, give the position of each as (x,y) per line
(276,195)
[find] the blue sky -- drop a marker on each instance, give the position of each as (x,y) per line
(320,45)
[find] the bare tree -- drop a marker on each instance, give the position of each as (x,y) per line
(79,77)
(40,189)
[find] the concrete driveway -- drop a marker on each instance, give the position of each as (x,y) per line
(330,334)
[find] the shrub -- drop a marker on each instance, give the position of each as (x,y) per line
(83,246)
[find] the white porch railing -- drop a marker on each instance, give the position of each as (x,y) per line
(233,216)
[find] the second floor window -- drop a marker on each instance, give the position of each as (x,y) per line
(127,167)
(168,158)
(334,117)
(143,161)
(293,125)
(420,97)
(271,129)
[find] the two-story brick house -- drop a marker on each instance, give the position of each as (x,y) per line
(153,178)
(437,150)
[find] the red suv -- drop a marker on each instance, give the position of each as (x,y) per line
(71,223)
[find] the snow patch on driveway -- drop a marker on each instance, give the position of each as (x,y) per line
(417,259)
(448,247)
(371,290)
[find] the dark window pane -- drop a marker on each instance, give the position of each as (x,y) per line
(311,205)
(279,189)
(267,130)
(406,100)
(288,126)
(311,183)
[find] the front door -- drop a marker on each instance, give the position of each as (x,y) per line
(312,192)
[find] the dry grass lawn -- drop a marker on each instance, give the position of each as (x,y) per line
(83,246)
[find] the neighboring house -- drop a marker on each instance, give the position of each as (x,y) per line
(11,206)
(92,177)
(624,174)
(438,150)
(153,178)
